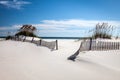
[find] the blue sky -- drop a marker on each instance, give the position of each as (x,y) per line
(58,18)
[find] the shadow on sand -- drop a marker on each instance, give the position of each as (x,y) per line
(88,63)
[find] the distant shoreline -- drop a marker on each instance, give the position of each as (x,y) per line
(57,37)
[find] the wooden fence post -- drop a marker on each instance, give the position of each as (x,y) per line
(24,39)
(56,45)
(32,39)
(106,46)
(114,45)
(118,45)
(90,47)
(15,38)
(40,41)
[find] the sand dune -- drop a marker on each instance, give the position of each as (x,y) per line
(27,61)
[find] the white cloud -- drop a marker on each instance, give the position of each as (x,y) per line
(71,27)
(74,23)
(71,22)
(14,27)
(14,4)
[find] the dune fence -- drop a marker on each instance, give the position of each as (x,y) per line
(105,46)
(96,45)
(53,45)
(93,44)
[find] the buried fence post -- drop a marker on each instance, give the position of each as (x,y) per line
(56,45)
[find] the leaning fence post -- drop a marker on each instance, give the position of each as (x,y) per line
(90,44)
(56,45)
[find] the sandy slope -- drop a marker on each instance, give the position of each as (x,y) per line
(26,61)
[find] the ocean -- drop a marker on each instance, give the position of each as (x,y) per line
(56,37)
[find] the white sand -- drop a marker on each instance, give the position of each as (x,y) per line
(26,61)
